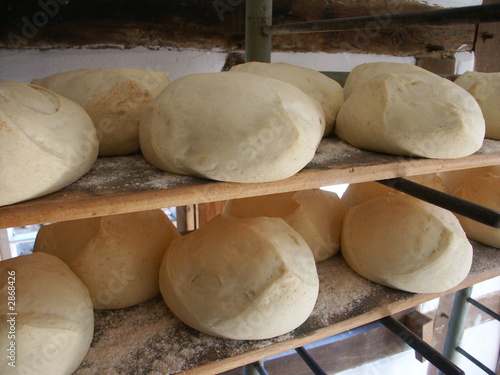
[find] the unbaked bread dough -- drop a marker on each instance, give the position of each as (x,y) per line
(46,142)
(325,90)
(409,114)
(363,73)
(406,244)
(117,257)
(483,189)
(485,88)
(317,215)
(114,98)
(232,126)
(454,179)
(54,321)
(364,191)
(243,279)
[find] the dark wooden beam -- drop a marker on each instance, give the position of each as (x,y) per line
(217,24)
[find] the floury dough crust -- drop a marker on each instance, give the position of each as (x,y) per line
(406,244)
(54,322)
(46,142)
(410,114)
(114,98)
(485,88)
(232,126)
(325,90)
(117,257)
(315,214)
(243,279)
(363,73)
(483,189)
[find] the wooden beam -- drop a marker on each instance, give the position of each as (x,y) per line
(487,46)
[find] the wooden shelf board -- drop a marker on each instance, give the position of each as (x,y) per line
(128,184)
(147,338)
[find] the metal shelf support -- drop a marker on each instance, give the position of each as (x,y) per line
(257,44)
(451,16)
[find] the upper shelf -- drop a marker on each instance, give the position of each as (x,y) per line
(128,184)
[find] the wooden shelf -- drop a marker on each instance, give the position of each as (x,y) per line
(147,338)
(128,184)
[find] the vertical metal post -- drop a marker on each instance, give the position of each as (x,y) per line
(456,326)
(258,44)
(256,368)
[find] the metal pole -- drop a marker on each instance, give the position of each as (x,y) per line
(456,326)
(420,346)
(256,368)
(258,44)
(451,16)
(462,207)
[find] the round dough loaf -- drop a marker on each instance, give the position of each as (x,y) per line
(406,244)
(117,257)
(363,73)
(114,98)
(317,215)
(454,179)
(484,190)
(46,142)
(420,115)
(54,324)
(326,91)
(485,88)
(356,194)
(243,279)
(232,126)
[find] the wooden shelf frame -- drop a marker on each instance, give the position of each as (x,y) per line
(118,185)
(121,335)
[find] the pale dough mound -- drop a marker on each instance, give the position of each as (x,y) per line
(232,126)
(363,73)
(54,324)
(454,179)
(317,215)
(485,88)
(117,257)
(325,90)
(409,114)
(406,244)
(114,98)
(356,194)
(483,189)
(244,279)
(46,142)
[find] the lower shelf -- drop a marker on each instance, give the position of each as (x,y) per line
(148,339)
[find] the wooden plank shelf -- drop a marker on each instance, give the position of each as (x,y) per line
(149,339)
(128,184)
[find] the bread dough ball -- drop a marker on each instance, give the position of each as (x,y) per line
(484,190)
(54,324)
(243,279)
(117,257)
(114,98)
(325,90)
(232,126)
(46,142)
(420,115)
(317,215)
(356,194)
(363,73)
(485,88)
(406,244)
(454,179)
